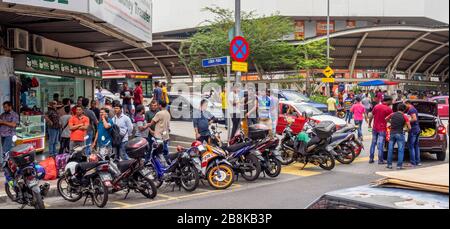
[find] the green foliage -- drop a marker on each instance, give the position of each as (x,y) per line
(319,98)
(312,55)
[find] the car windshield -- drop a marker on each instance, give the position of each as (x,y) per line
(295,96)
(302,108)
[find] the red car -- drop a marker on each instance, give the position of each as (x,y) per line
(442,102)
(428,119)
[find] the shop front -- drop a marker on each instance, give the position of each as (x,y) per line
(38,80)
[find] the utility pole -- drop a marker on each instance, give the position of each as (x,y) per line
(237,30)
(328,89)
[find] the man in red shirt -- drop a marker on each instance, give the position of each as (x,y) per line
(379,114)
(138,94)
(78,126)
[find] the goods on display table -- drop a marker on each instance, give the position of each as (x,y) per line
(31,130)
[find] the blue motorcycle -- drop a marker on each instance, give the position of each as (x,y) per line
(245,159)
(178,168)
(22,177)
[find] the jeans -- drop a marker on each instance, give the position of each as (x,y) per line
(400,140)
(359,124)
(236,123)
(89,141)
(166,150)
(414,150)
(121,152)
(348,116)
(127,108)
(332,113)
(225,116)
(204,139)
(53,137)
(378,139)
(7,145)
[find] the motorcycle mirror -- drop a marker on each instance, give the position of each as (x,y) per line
(14,138)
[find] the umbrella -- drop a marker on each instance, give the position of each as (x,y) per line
(377,83)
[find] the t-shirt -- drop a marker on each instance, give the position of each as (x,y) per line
(157,93)
(64,122)
(201,121)
(149,115)
(92,118)
(165,94)
(380,112)
(379,97)
(415,128)
(96,112)
(138,95)
(331,104)
(348,102)
(78,135)
(366,103)
(127,94)
(54,119)
(104,135)
(358,111)
(140,121)
(398,121)
(162,120)
(223,97)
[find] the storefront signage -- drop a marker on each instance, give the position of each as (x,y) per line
(80,6)
(321,28)
(131,16)
(56,67)
(299,32)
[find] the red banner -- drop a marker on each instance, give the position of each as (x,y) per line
(321,28)
(299,32)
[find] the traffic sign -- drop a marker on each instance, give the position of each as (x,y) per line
(328,72)
(239,66)
(239,49)
(213,62)
(328,80)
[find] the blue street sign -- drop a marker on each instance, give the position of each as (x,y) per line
(213,62)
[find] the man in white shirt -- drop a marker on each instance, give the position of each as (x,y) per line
(126,130)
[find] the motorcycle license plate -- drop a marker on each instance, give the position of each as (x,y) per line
(105,177)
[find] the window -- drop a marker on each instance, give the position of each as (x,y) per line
(441,101)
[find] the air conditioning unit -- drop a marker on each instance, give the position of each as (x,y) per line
(17,39)
(38,44)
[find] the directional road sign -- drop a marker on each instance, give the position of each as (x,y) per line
(213,62)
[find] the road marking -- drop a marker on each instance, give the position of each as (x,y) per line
(120,203)
(294,169)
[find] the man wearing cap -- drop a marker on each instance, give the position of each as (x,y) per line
(380,112)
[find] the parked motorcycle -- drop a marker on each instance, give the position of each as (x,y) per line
(353,144)
(315,151)
(213,166)
(179,168)
(81,178)
(131,174)
(23,175)
(271,165)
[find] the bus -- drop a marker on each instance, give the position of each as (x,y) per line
(112,80)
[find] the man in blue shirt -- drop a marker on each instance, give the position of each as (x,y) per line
(201,122)
(413,135)
(103,137)
(157,92)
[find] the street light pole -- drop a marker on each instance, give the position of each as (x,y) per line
(328,89)
(237,30)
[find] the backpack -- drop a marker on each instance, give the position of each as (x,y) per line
(61,162)
(116,137)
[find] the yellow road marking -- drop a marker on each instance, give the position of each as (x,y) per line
(294,169)
(121,203)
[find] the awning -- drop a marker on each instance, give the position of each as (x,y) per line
(374,83)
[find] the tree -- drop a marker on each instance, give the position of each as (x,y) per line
(265,35)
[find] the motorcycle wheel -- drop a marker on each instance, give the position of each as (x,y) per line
(287,155)
(158,182)
(150,190)
(69,196)
(218,182)
(100,193)
(274,168)
(9,193)
(251,173)
(345,156)
(189,178)
(38,201)
(328,160)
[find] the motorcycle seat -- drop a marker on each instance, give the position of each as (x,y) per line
(124,165)
(338,136)
(346,129)
(236,147)
(86,166)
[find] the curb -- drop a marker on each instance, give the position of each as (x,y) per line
(52,192)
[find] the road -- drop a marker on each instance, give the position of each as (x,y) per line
(294,188)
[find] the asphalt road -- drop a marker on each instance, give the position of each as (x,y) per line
(294,188)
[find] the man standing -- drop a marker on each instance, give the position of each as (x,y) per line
(367,103)
(413,135)
(165,94)
(379,114)
(103,138)
(264,110)
(53,127)
(100,97)
(223,98)
(359,112)
(398,121)
(93,122)
(235,111)
(138,94)
(8,123)
(348,103)
(331,102)
(162,126)
(157,93)
(149,115)
(78,126)
(201,122)
(251,107)
(126,129)
(126,94)
(65,131)
(95,109)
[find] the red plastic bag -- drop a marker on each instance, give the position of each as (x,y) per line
(49,165)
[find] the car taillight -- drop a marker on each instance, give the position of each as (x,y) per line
(442,130)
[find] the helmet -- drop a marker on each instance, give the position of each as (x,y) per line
(40,171)
(196,144)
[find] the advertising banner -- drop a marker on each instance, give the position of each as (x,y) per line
(350,24)
(131,16)
(80,6)
(299,32)
(321,28)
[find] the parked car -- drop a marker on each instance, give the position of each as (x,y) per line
(298,110)
(184,106)
(442,102)
(295,96)
(436,143)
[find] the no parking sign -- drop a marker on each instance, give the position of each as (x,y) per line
(239,49)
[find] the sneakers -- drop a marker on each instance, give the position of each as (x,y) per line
(399,168)
(371,161)
(381,162)
(419,164)
(389,167)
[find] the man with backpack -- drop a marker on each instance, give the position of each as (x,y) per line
(122,128)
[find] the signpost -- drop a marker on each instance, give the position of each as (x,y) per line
(328,72)
(213,62)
